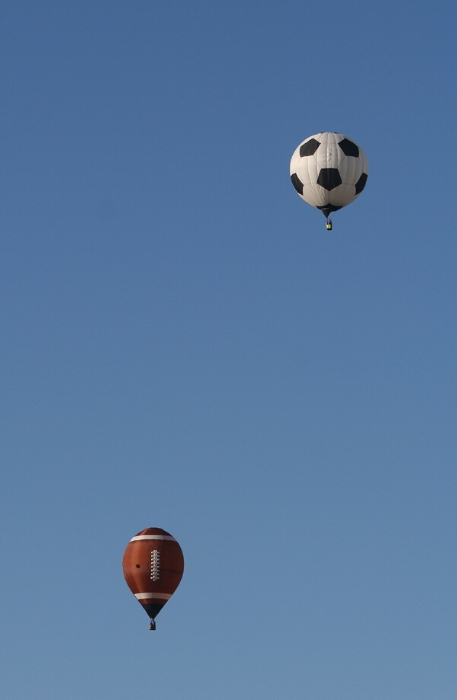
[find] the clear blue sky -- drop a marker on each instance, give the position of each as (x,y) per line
(184,346)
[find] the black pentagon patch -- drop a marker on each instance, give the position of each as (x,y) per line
(297,183)
(361,182)
(349,148)
(329,178)
(309,148)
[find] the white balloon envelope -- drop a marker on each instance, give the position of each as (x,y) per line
(329,171)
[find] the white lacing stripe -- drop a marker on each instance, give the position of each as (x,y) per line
(160,596)
(153,537)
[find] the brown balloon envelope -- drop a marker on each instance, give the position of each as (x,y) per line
(153,566)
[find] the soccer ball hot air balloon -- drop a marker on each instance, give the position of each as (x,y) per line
(153,566)
(329,171)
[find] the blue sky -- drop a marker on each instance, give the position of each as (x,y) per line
(184,346)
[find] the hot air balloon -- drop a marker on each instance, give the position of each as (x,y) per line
(329,171)
(153,566)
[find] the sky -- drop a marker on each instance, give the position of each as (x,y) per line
(184,346)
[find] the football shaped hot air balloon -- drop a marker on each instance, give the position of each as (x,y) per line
(329,171)
(153,566)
